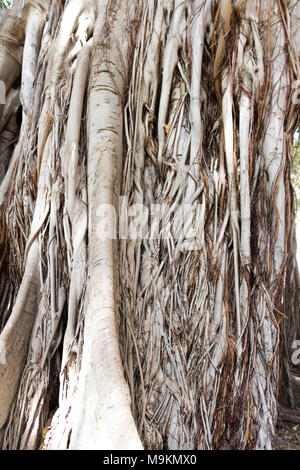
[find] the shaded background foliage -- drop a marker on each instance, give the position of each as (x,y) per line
(6,4)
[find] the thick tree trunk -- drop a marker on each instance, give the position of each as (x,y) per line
(151,319)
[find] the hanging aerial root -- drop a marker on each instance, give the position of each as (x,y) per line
(75,202)
(225,14)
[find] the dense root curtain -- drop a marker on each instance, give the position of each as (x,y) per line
(202,296)
(177,116)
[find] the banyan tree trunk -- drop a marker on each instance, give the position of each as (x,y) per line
(146,215)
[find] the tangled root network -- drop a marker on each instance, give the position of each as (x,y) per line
(179,114)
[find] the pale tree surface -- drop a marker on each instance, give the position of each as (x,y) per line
(173,331)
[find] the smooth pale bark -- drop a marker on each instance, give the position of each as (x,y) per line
(102,415)
(274,145)
(16,335)
(197,36)
(33,33)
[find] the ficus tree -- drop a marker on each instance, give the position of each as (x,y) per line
(146,222)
